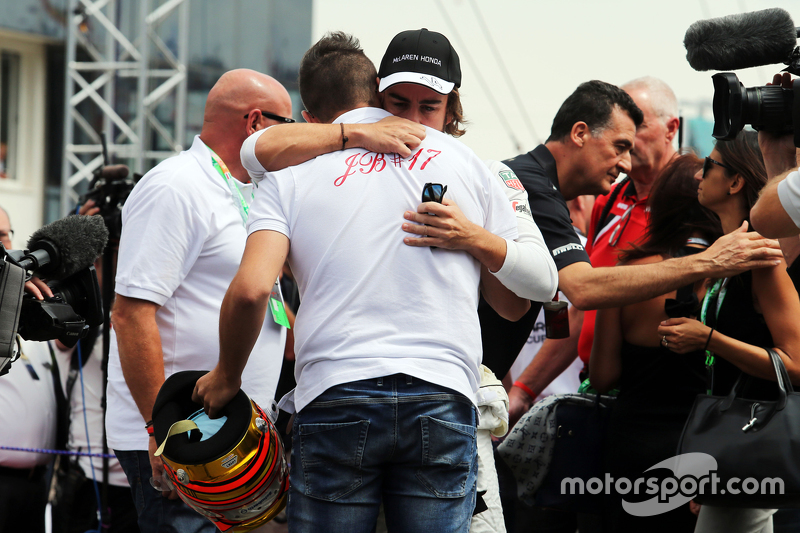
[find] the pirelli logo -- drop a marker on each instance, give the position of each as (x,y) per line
(511,180)
(567,248)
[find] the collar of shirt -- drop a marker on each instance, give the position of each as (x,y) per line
(548,163)
(629,194)
(362,115)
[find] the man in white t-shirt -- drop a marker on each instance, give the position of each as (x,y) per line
(28,419)
(182,238)
(387,337)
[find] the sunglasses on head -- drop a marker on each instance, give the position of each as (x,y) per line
(708,162)
(273,116)
(433,192)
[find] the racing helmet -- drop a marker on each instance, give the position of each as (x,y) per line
(231,470)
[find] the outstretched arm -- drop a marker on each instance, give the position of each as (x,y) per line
(285,145)
(241,317)
(596,288)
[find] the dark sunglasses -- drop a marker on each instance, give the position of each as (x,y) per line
(273,116)
(433,192)
(707,165)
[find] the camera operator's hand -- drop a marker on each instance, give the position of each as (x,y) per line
(38,288)
(89,208)
(779,151)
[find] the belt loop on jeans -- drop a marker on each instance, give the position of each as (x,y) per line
(380,382)
(409,380)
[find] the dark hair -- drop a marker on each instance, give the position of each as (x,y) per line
(456,114)
(335,76)
(743,155)
(675,213)
(592,103)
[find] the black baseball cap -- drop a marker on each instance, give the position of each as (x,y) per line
(422,57)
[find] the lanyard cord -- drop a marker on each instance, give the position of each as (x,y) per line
(717,295)
(230,181)
(277,305)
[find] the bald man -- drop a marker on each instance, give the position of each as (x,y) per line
(183,235)
(5,229)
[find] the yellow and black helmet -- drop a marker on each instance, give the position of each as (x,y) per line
(236,474)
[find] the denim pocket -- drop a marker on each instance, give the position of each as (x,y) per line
(331,458)
(448,454)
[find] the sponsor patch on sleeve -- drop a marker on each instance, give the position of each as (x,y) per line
(566,248)
(511,180)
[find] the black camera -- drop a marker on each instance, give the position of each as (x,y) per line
(767,108)
(76,306)
(741,41)
(109,188)
(63,252)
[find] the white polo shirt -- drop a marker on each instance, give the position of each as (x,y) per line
(371,305)
(182,242)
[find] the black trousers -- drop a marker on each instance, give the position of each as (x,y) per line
(23,499)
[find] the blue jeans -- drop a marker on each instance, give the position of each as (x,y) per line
(156,513)
(396,439)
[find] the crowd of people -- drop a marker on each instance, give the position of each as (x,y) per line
(412,314)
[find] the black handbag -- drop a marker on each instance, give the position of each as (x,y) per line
(749,439)
(562,436)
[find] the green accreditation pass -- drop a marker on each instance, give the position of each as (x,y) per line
(277,307)
(275,298)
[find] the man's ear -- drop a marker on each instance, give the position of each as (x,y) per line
(308,117)
(673,125)
(579,134)
(252,124)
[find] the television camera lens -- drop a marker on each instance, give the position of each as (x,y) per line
(767,108)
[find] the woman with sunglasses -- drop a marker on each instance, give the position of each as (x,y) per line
(740,315)
(657,389)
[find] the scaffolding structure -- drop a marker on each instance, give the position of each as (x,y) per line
(124,84)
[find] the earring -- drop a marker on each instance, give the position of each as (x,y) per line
(729,193)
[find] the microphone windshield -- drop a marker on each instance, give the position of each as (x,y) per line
(114,172)
(79,240)
(741,41)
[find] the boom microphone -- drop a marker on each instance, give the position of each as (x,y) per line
(741,41)
(66,246)
(114,172)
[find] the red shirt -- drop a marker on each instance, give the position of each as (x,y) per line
(626,223)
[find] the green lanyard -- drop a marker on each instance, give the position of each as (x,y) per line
(716,293)
(230,181)
(276,304)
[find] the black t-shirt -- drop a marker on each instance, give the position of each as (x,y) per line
(502,340)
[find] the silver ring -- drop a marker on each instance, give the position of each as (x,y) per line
(665,341)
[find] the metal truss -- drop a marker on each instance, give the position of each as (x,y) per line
(119,71)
